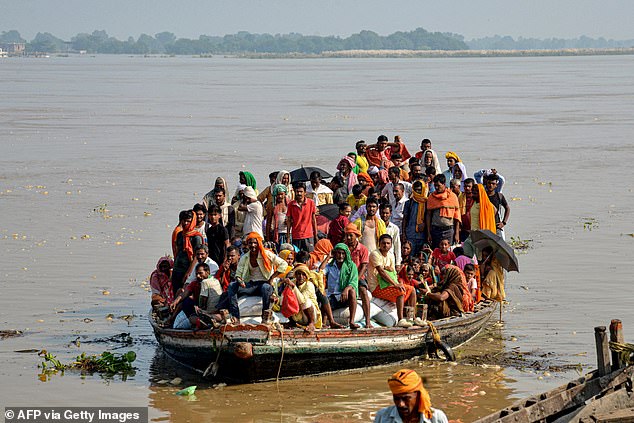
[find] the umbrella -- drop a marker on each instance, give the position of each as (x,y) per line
(482,238)
(329,211)
(303,173)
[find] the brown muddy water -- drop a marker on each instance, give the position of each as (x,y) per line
(99,154)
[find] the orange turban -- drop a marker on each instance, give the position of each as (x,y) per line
(351,228)
(265,259)
(405,381)
(364,176)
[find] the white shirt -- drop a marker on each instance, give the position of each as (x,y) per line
(390,415)
(253,219)
(389,190)
(392,230)
(213,268)
(397,212)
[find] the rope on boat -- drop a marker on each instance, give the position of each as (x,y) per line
(434,332)
(625,350)
(279,369)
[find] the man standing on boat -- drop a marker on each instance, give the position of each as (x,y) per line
(442,218)
(302,223)
(411,401)
(254,212)
(254,276)
(498,200)
(361,257)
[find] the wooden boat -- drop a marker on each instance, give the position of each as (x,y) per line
(591,398)
(248,353)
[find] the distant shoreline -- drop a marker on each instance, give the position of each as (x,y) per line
(441,53)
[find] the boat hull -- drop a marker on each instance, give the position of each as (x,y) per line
(291,353)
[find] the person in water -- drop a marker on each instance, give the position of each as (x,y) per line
(411,401)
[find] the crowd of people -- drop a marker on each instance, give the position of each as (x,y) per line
(400,233)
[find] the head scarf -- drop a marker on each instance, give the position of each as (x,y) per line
(348,274)
(405,381)
(384,176)
(284,255)
(487,210)
(162,283)
(351,228)
(248,176)
(221,181)
(463,169)
(362,176)
(454,276)
(280,176)
(189,232)
(452,155)
(352,177)
(250,193)
(266,261)
(355,168)
(322,249)
(447,202)
(434,161)
(279,188)
(302,268)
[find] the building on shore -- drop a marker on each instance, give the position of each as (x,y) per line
(13,49)
(2,53)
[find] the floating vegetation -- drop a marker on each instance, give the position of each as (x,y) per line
(589,223)
(9,333)
(107,363)
(101,209)
(520,244)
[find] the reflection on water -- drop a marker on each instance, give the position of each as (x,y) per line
(464,392)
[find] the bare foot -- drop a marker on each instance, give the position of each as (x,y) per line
(335,325)
(354,326)
(368,324)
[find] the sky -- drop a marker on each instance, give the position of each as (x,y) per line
(191,18)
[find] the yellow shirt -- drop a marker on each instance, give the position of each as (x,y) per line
(363,164)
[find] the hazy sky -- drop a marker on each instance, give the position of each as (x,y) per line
(190,18)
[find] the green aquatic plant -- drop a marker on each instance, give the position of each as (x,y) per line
(520,244)
(589,223)
(107,363)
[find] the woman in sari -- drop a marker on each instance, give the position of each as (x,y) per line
(187,241)
(451,297)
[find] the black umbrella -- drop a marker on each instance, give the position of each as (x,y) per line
(329,211)
(505,254)
(303,173)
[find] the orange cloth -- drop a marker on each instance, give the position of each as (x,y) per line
(447,202)
(391,293)
(266,261)
(322,249)
(178,229)
(487,210)
(405,381)
(364,176)
(402,150)
(351,228)
(189,232)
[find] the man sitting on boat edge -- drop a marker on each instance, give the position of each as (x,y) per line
(255,274)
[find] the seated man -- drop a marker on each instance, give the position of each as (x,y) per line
(254,276)
(188,298)
(383,281)
(309,314)
(202,256)
(342,282)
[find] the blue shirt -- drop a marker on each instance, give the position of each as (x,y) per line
(332,273)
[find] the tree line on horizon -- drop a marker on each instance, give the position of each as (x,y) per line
(244,42)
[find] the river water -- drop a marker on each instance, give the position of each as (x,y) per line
(144,138)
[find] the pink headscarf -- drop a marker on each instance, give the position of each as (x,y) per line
(352,177)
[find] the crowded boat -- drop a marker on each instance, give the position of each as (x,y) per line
(387,235)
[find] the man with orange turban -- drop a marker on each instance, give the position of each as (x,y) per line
(411,401)
(254,276)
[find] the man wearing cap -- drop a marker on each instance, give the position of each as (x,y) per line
(411,401)
(361,257)
(254,211)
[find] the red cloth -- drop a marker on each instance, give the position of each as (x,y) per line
(443,259)
(302,218)
(336,229)
(360,255)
